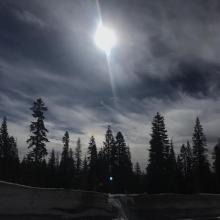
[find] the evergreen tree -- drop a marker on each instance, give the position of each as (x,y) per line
(92,163)
(109,145)
(67,164)
(8,145)
(71,158)
(158,154)
(185,160)
(78,156)
(57,160)
(38,138)
(109,151)
(200,162)
(216,165)
(123,165)
(85,167)
(171,166)
(180,162)
(52,170)
(65,152)
(109,156)
(52,160)
(171,156)
(137,178)
(5,143)
(137,169)
(9,161)
(102,171)
(78,164)
(184,165)
(85,170)
(27,176)
(13,149)
(189,168)
(72,169)
(92,154)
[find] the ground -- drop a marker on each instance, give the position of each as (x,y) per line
(30,203)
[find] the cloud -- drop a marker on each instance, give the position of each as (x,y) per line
(29,18)
(167,60)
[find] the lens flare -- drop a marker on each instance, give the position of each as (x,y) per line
(105,38)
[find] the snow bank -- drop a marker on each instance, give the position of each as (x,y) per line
(41,203)
(172,206)
(30,203)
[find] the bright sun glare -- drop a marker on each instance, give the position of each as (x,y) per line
(105,38)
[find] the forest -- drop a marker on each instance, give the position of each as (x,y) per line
(110,168)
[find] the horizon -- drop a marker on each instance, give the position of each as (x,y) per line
(73,144)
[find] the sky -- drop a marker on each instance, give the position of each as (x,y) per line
(167,60)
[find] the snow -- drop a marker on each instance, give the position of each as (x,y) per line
(24,202)
(19,200)
(116,203)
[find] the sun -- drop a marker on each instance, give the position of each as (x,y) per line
(105,38)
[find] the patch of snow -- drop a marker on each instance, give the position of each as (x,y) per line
(116,203)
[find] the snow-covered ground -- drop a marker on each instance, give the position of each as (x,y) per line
(29,203)
(171,206)
(38,203)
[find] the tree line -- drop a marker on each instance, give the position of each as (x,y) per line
(110,168)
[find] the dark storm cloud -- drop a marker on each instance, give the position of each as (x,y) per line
(167,59)
(197,78)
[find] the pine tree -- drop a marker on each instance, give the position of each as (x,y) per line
(52,160)
(92,163)
(71,158)
(85,167)
(65,152)
(185,160)
(67,164)
(180,162)
(107,157)
(137,169)
(72,169)
(57,160)
(216,165)
(38,138)
(13,149)
(78,156)
(200,162)
(184,165)
(52,170)
(102,171)
(172,157)
(5,140)
(1,145)
(92,154)
(122,168)
(108,144)
(158,153)
(137,178)
(84,176)
(8,145)
(9,160)
(171,167)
